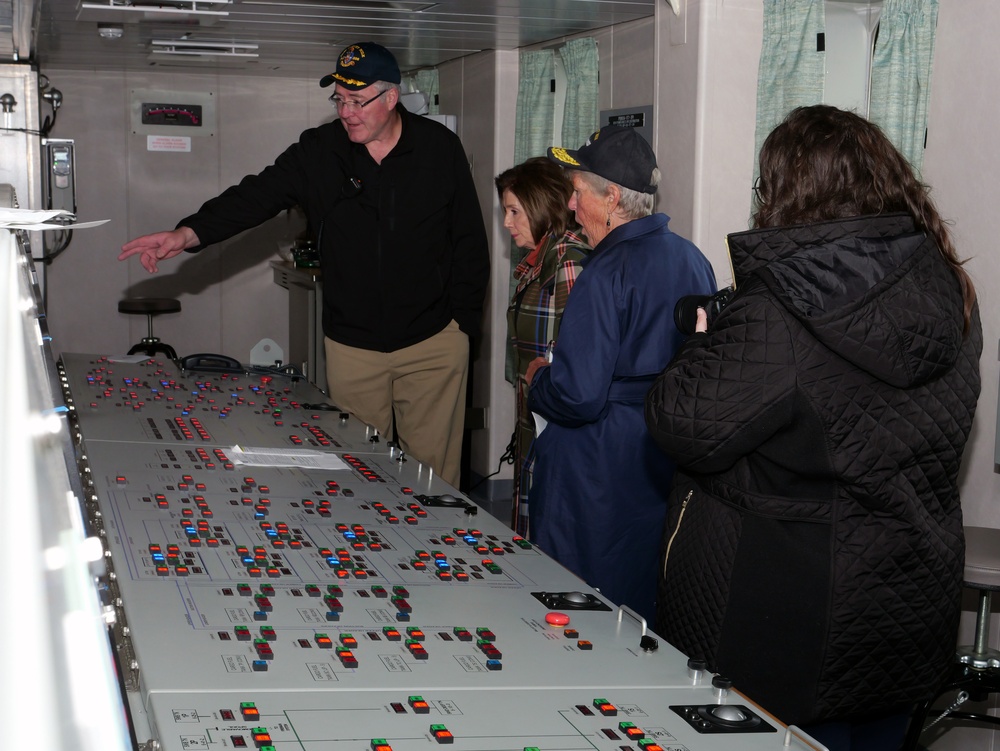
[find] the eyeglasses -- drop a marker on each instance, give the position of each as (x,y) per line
(346,105)
(757,190)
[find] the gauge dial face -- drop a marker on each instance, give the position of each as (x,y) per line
(188,115)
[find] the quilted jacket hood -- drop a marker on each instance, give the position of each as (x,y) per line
(870,288)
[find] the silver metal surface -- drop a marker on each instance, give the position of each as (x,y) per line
(20,155)
(52,610)
(303,38)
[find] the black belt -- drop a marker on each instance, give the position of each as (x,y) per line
(630,391)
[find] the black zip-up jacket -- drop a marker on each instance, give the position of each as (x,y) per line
(814,545)
(401,256)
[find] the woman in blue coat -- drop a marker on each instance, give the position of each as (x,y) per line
(601,485)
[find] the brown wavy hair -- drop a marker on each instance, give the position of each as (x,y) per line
(825,163)
(544,190)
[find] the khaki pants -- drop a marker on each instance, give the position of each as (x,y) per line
(420,389)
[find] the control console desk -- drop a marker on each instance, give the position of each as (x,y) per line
(354,605)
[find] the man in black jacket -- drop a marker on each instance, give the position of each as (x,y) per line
(405,260)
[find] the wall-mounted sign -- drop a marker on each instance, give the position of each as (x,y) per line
(168,143)
(628,120)
(640,118)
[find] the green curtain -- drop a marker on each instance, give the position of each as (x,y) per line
(580,113)
(901,74)
(535,104)
(427,82)
(791,72)
(532,137)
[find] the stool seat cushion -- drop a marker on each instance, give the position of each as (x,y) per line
(982,557)
(149,305)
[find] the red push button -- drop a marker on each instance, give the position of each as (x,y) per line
(605,707)
(442,734)
(557,619)
(249,711)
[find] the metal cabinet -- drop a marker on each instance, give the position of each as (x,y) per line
(305,319)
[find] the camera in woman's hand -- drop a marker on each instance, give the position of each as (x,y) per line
(686,309)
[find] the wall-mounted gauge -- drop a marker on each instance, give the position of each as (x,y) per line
(174,114)
(186,115)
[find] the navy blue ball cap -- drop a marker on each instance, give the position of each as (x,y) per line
(618,154)
(362,64)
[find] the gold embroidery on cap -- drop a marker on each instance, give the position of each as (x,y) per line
(563,156)
(349,81)
(351,56)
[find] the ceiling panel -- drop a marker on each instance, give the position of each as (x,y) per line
(302,37)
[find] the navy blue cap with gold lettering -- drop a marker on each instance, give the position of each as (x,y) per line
(362,64)
(618,154)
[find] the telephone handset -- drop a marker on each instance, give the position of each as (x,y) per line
(212,362)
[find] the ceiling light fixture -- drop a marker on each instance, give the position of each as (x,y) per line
(110,31)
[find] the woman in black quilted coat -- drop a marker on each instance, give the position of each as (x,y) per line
(814,549)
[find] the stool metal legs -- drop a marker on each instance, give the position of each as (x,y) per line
(150,345)
(980,655)
(976,672)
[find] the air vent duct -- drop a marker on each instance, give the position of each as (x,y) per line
(117,11)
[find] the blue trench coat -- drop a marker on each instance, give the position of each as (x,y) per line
(600,491)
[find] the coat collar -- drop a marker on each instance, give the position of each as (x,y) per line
(646,225)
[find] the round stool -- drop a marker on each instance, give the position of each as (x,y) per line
(982,573)
(976,671)
(149,307)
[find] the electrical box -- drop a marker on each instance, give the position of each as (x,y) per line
(58,174)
